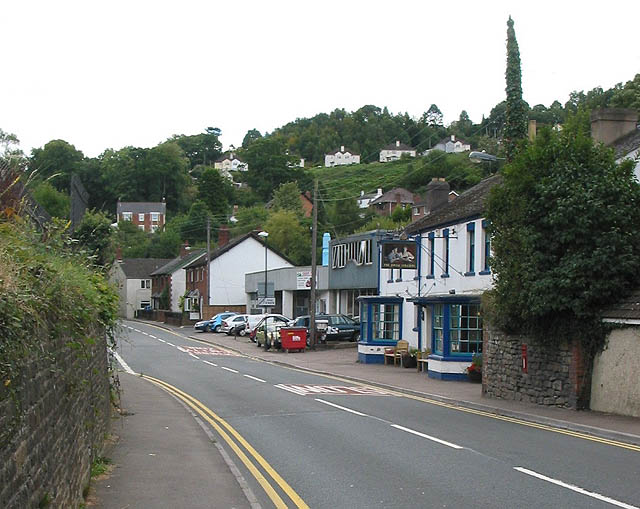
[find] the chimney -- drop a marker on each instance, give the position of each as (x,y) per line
(223,235)
(119,253)
(342,148)
(235,210)
(437,194)
(453,137)
(533,129)
(184,249)
(397,143)
(610,124)
(379,193)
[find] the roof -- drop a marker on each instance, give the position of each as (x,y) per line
(627,309)
(228,155)
(141,268)
(229,246)
(141,207)
(338,151)
(448,139)
(179,263)
(393,146)
(469,204)
(392,196)
(627,143)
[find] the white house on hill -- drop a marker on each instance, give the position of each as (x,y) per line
(395,151)
(340,157)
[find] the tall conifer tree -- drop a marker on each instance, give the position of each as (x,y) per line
(515,127)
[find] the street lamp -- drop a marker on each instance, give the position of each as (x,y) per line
(264,236)
(484,158)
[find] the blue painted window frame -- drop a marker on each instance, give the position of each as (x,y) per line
(367,322)
(471,235)
(432,255)
(487,248)
(447,252)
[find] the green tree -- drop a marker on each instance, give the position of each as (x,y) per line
(217,192)
(194,227)
(433,117)
(58,161)
(94,234)
(249,219)
(344,216)
(132,241)
(564,236)
(287,197)
(289,236)
(164,244)
(202,148)
(515,128)
(251,136)
(56,203)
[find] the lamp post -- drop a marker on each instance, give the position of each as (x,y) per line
(483,157)
(264,236)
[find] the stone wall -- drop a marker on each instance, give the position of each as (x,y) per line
(53,422)
(556,376)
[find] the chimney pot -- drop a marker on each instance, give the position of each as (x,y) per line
(341,148)
(223,235)
(453,137)
(397,143)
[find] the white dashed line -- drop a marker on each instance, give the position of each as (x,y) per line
(170,344)
(256,379)
(152,336)
(210,363)
(428,437)
(229,369)
(182,349)
(341,407)
(575,488)
(194,356)
(161,340)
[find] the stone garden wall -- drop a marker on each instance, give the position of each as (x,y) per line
(53,421)
(555,376)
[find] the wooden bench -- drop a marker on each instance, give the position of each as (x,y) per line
(422,360)
(396,353)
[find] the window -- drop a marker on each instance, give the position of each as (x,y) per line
(385,320)
(154,227)
(126,216)
(465,329)
(445,252)
(471,243)
(144,304)
(145,283)
(155,217)
(141,227)
(432,254)
(486,253)
(141,218)
(438,328)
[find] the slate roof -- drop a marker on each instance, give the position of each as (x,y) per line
(627,309)
(391,196)
(230,245)
(627,143)
(179,263)
(141,207)
(141,268)
(393,146)
(469,204)
(346,150)
(228,155)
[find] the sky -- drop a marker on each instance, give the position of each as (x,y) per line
(110,74)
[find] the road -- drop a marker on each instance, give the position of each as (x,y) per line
(305,440)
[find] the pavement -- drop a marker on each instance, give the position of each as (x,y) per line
(158,449)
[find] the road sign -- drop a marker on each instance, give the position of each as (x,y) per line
(266,302)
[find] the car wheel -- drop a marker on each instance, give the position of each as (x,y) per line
(217,328)
(207,329)
(355,337)
(242,332)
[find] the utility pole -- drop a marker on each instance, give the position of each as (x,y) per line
(314,231)
(208,262)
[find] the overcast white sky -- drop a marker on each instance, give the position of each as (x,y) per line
(107,74)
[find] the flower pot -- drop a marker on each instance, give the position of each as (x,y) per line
(409,361)
(474,376)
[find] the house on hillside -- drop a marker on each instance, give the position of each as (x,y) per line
(395,151)
(168,282)
(364,200)
(225,275)
(385,204)
(437,194)
(148,216)
(340,157)
(230,162)
(618,128)
(451,146)
(453,272)
(132,278)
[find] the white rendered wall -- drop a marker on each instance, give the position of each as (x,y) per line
(228,270)
(178,288)
(405,288)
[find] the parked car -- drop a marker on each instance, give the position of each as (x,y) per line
(214,323)
(234,325)
(267,332)
(339,327)
(254,321)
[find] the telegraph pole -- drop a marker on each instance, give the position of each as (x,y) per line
(314,231)
(208,262)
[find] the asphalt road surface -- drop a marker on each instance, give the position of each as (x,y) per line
(305,440)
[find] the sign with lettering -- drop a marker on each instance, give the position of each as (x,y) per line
(399,255)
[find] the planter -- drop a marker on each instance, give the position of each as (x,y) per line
(474,376)
(409,361)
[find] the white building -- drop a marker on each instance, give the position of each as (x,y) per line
(229,162)
(365,199)
(453,273)
(451,145)
(340,157)
(395,151)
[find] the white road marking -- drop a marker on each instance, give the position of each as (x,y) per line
(170,344)
(194,356)
(161,340)
(182,349)
(152,336)
(256,378)
(575,488)
(229,369)
(210,363)
(124,365)
(341,407)
(428,437)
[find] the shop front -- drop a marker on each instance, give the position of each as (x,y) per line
(380,326)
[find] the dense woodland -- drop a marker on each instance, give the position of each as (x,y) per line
(181,171)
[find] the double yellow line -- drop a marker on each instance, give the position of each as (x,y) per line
(220,425)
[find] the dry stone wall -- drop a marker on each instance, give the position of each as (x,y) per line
(54,419)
